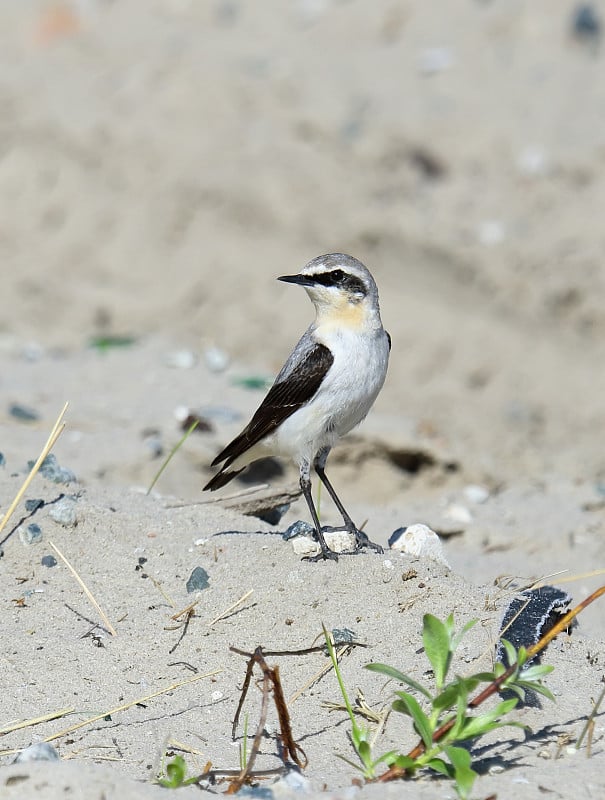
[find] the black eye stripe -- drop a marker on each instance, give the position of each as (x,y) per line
(342,280)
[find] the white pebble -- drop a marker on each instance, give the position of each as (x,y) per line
(491,232)
(337,541)
(419,540)
(181,359)
(476,494)
(434,60)
(216,359)
(458,513)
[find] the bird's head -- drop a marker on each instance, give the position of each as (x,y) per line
(339,287)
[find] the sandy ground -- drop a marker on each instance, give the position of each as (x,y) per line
(160,165)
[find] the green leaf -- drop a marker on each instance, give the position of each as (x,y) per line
(536,672)
(175,773)
(535,687)
(511,653)
(408,704)
(391,672)
(477,726)
(464,775)
(459,636)
(441,766)
(405,762)
(436,636)
(448,697)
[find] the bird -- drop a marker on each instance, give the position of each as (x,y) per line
(325,388)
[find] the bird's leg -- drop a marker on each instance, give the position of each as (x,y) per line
(305,485)
(361,538)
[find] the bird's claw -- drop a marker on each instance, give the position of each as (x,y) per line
(361,539)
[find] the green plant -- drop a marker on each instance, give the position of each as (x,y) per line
(360,734)
(444,719)
(174,774)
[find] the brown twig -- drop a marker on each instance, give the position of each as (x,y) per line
(270,682)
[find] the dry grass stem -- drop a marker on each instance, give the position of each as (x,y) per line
(318,675)
(57,430)
(27,723)
(126,706)
(187,610)
(242,599)
(86,590)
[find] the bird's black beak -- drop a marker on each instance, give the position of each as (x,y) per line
(301,280)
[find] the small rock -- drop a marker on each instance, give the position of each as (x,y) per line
(258,792)
(52,471)
(491,232)
(458,513)
(40,751)
(33,505)
(152,439)
(181,359)
(216,359)
(2,460)
(337,541)
(434,60)
(48,561)
(293,783)
(198,580)
(533,162)
(298,528)
(31,535)
(23,413)
(418,540)
(64,512)
(343,636)
(586,23)
(476,494)
(220,414)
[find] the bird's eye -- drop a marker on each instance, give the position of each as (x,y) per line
(337,276)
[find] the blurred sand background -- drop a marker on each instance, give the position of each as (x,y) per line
(162,162)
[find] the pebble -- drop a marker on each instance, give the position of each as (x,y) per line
(64,512)
(30,535)
(533,162)
(476,494)
(181,359)
(434,60)
(337,541)
(298,528)
(586,23)
(343,636)
(198,580)
(33,505)
(23,413)
(418,540)
(458,513)
(52,471)
(152,439)
(491,232)
(40,751)
(2,460)
(48,561)
(293,781)
(216,359)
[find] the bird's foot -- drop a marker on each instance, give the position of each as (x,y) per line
(361,539)
(323,555)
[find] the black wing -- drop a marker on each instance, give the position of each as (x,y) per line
(286,396)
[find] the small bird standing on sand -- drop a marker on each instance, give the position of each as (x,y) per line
(325,388)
